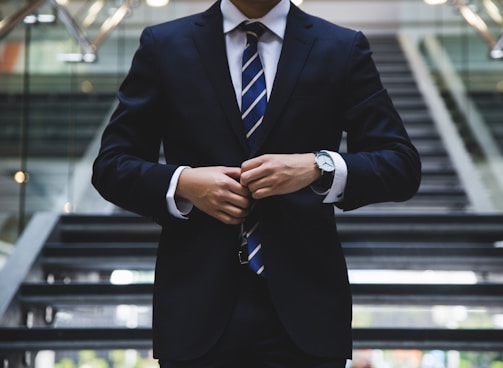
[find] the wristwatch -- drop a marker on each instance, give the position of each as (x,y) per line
(325,163)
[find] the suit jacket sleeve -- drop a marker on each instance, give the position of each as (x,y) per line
(126,171)
(383,164)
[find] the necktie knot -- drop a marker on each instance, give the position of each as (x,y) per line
(253,31)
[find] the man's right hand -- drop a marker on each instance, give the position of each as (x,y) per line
(216,191)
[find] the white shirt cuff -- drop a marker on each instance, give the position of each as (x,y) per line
(336,192)
(180,207)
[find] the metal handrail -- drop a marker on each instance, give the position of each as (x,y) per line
(494,8)
(17,339)
(112,22)
(89,48)
(497,50)
(89,51)
(480,25)
(7,24)
(27,249)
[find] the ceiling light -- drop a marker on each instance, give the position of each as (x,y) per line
(435,2)
(157,3)
(493,11)
(473,19)
(496,54)
(21,177)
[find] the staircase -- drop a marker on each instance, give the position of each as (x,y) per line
(46,133)
(490,105)
(61,277)
(60,124)
(440,188)
(61,289)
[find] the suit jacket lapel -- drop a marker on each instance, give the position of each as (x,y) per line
(210,42)
(297,44)
(296,47)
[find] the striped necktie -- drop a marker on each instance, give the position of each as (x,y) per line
(253,93)
(253,104)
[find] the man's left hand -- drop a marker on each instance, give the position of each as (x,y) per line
(275,174)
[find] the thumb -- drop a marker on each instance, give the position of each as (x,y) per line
(233,172)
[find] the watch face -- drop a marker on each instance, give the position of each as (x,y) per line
(325,162)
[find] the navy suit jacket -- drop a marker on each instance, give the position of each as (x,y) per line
(179,94)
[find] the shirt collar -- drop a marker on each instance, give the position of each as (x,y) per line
(275,20)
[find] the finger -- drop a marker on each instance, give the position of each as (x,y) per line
(262,192)
(235,186)
(233,172)
(253,173)
(232,215)
(251,163)
(238,200)
(262,180)
(236,212)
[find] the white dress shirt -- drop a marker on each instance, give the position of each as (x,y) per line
(269,48)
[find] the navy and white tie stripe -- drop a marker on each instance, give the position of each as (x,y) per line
(252,234)
(253,93)
(253,105)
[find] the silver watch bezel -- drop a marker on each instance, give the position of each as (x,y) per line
(321,166)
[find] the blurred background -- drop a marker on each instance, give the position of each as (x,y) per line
(76,272)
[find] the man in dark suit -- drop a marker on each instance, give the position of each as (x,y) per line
(183,92)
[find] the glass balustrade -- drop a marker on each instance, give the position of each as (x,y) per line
(61,63)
